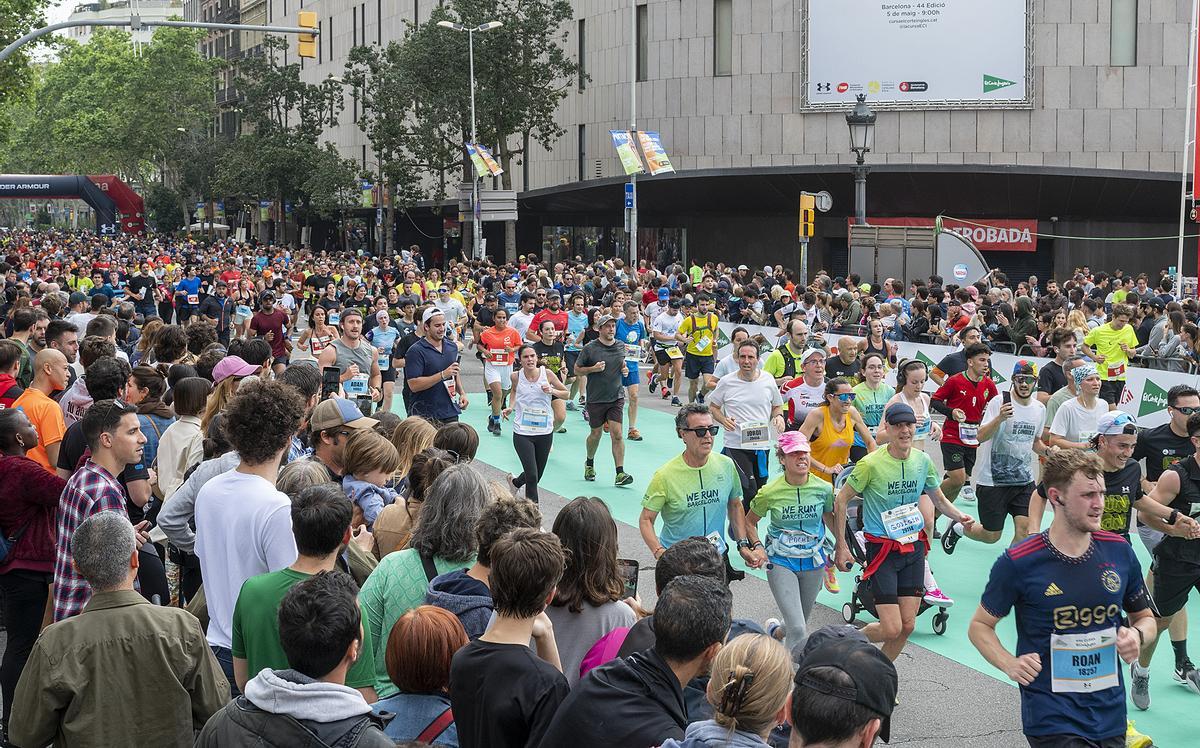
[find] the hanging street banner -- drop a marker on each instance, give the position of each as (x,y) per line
(481,169)
(366,197)
(654,153)
(492,166)
(264,210)
(199,212)
(625,151)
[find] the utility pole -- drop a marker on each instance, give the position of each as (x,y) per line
(633,75)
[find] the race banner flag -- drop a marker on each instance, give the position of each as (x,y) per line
(654,153)
(220,211)
(481,169)
(486,155)
(199,212)
(264,210)
(366,199)
(625,151)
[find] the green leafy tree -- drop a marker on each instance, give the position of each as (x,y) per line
(163,209)
(17,18)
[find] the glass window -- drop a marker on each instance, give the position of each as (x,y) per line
(722,37)
(580,56)
(1123,39)
(643,41)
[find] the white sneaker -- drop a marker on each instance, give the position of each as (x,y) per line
(774,628)
(937,598)
(967,494)
(1139,688)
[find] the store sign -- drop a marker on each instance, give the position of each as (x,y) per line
(987,234)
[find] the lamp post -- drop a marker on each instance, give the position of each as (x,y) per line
(861,121)
(476,222)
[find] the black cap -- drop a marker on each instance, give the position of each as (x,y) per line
(872,673)
(900,413)
(675,302)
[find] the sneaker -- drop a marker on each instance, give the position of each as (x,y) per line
(623,479)
(937,598)
(589,472)
(774,628)
(653,380)
(1135,739)
(1139,688)
(700,397)
(582,402)
(634,435)
(665,393)
(512,486)
(561,430)
(950,539)
(831,580)
(675,401)
(967,494)
(1187,675)
(570,405)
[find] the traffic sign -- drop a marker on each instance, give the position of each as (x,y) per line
(629,194)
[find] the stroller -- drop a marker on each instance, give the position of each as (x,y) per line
(863,598)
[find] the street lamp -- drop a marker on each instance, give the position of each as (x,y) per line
(861,121)
(476,223)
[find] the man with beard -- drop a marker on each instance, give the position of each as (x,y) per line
(355,358)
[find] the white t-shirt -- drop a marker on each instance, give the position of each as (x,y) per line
(243,528)
(920,408)
(746,403)
(654,309)
(520,322)
(1075,423)
(1007,459)
(455,311)
(803,398)
(729,365)
(667,324)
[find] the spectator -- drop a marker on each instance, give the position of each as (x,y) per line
(691,621)
(369,461)
(419,651)
(393,526)
(182,444)
(320,629)
(146,387)
(141,653)
(10,364)
(49,376)
(501,692)
(330,426)
(243,523)
(396,523)
(459,439)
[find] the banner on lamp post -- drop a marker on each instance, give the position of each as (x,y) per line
(654,153)
(264,210)
(366,197)
(626,152)
(492,166)
(481,169)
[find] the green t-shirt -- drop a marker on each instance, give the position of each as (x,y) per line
(797,509)
(886,483)
(693,501)
(256,628)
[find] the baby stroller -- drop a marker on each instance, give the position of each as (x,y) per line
(863,598)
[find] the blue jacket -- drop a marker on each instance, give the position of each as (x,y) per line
(465,597)
(413,712)
(369,497)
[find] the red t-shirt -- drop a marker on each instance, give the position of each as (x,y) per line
(971,397)
(275,322)
(559,319)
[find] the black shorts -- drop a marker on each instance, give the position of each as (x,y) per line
(600,413)
(389,374)
(1111,389)
(694,366)
(660,355)
(900,574)
(997,502)
(1074,741)
(570,357)
(1173,582)
(957,457)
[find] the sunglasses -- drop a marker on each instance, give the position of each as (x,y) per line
(1025,379)
(1187,410)
(846,397)
(702,431)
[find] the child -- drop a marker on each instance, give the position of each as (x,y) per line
(369,461)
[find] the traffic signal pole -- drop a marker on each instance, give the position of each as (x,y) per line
(808,219)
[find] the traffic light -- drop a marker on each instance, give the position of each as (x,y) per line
(307,42)
(808,214)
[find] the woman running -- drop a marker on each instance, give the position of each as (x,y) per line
(533,387)
(830,429)
(870,396)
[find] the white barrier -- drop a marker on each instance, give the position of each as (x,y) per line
(1145,395)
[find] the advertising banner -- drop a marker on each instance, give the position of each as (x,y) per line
(264,210)
(366,196)
(199,212)
(940,52)
(625,151)
(1144,398)
(492,166)
(987,234)
(654,153)
(481,169)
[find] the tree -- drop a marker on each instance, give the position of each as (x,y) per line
(17,18)
(163,209)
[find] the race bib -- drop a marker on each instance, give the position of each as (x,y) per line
(334,317)
(1083,663)
(715,539)
(535,419)
(633,352)
(924,426)
(904,523)
(497,356)
(794,544)
(385,361)
(969,434)
(674,353)
(319,343)
(703,342)
(357,385)
(755,435)
(243,312)
(1116,371)
(451,387)
(193,299)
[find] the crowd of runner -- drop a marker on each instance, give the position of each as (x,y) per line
(234,488)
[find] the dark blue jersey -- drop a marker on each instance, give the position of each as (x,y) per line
(1073,606)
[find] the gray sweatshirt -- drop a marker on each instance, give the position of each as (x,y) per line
(177,514)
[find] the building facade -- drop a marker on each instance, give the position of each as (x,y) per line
(157,10)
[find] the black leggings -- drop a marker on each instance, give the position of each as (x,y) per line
(533,451)
(24,604)
(748,467)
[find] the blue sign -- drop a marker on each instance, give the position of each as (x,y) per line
(629,194)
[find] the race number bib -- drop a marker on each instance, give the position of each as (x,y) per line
(334,317)
(1083,663)
(703,342)
(1116,371)
(633,352)
(497,356)
(193,299)
(969,434)
(794,544)
(924,427)
(535,419)
(385,361)
(904,523)
(755,435)
(715,539)
(674,353)
(242,312)
(357,385)
(451,387)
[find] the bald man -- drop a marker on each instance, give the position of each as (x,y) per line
(49,376)
(845,363)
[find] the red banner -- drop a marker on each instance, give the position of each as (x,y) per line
(1195,105)
(987,234)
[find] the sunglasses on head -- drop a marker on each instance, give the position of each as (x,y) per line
(702,431)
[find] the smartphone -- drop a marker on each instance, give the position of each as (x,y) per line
(629,575)
(1007,398)
(331,383)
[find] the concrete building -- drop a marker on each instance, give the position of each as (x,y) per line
(157,10)
(1094,151)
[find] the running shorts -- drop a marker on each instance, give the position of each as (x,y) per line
(900,574)
(997,502)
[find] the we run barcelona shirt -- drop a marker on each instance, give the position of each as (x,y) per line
(693,501)
(886,483)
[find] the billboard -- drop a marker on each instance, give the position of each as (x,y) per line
(917,54)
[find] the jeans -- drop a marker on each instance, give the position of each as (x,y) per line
(533,452)
(225,657)
(795,593)
(25,595)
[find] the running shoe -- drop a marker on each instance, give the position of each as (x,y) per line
(561,430)
(623,479)
(589,472)
(634,435)
(937,598)
(582,402)
(675,401)
(831,580)
(653,380)
(774,628)
(1186,674)
(570,405)
(1135,739)
(665,393)
(967,494)
(1139,689)
(950,538)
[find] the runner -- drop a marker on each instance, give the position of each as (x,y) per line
(631,332)
(962,398)
(664,330)
(1110,345)
(784,362)
(830,429)
(749,407)
(699,332)
(1009,438)
(1076,420)
(956,363)
(431,371)
(911,375)
(603,361)
(577,326)
(383,337)
(846,364)
(498,342)
(897,484)
(355,359)
(271,324)
(534,388)
(807,391)
(1069,586)
(870,396)
(552,355)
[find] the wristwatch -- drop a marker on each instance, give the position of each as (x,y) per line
(1170,520)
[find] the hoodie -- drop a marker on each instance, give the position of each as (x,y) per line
(708,734)
(464,596)
(369,497)
(635,702)
(9,390)
(287,692)
(1025,324)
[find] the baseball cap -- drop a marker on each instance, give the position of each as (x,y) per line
(794,441)
(786,293)
(1115,423)
(430,313)
(742,267)
(232,366)
(873,675)
(351,311)
(1155,302)
(1025,367)
(338,411)
(810,352)
(604,319)
(664,293)
(900,413)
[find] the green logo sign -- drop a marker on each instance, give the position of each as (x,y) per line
(997,377)
(992,83)
(722,338)
(928,361)
(1154,399)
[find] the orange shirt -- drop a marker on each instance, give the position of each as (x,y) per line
(494,344)
(47,417)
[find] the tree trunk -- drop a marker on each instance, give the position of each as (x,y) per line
(510,227)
